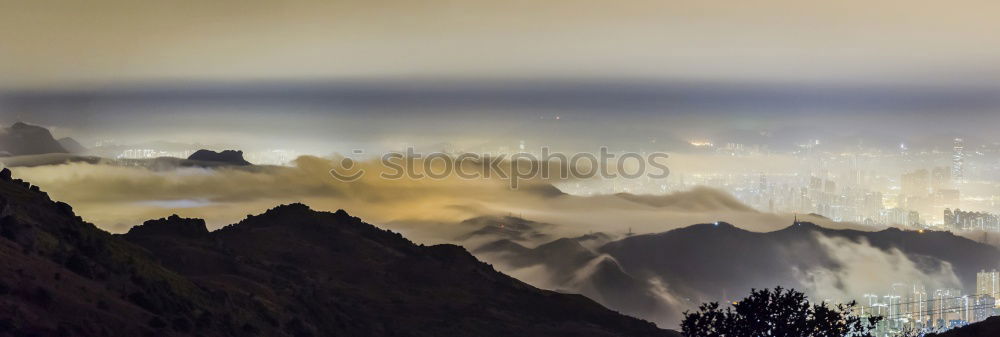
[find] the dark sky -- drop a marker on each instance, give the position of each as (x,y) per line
(315,116)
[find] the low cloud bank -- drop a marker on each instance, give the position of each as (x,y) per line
(449,209)
(116,197)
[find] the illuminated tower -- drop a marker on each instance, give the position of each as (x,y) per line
(957,158)
(988,284)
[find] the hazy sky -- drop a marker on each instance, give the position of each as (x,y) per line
(107,42)
(291,73)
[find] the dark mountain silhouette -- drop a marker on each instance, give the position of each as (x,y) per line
(713,259)
(23,139)
(231,157)
(62,276)
(989,327)
(925,247)
(71,145)
(718,261)
(709,261)
(291,271)
(572,267)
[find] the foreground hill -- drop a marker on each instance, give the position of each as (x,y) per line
(288,272)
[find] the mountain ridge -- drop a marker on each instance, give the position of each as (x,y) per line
(719,261)
(290,271)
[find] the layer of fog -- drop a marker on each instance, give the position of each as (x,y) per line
(433,210)
(117,197)
(865,269)
(851,269)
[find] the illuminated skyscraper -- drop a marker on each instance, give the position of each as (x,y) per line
(957,158)
(984,307)
(988,283)
(919,304)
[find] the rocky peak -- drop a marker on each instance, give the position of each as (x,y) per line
(173,226)
(231,157)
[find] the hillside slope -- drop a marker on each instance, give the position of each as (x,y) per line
(288,272)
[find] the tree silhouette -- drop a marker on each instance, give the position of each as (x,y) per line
(777,313)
